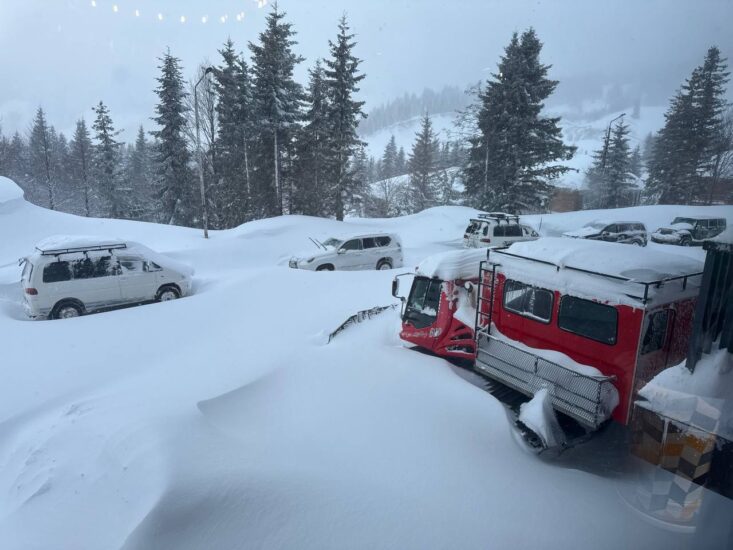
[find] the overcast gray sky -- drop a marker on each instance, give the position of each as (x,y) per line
(66,55)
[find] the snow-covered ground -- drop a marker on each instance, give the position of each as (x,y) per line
(223,420)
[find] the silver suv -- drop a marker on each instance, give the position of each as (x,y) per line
(377,251)
(688,231)
(614,232)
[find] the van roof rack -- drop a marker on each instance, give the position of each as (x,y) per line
(72,250)
(499,216)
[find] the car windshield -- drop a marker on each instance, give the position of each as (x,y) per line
(690,221)
(332,242)
(596,225)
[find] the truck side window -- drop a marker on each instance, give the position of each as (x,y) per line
(656,332)
(588,319)
(353,244)
(528,301)
(369,242)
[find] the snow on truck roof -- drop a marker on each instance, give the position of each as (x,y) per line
(453,265)
(597,269)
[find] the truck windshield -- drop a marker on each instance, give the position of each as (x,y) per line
(422,305)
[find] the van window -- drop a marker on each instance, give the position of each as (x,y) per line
(528,301)
(56,272)
(132,264)
(513,230)
(383,241)
(104,267)
(656,332)
(499,231)
(588,319)
(83,269)
(473,227)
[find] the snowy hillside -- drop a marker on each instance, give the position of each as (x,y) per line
(224,420)
(583,129)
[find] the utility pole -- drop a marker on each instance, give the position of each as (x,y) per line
(199,154)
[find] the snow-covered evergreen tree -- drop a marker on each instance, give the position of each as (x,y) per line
(512,159)
(684,149)
(232,198)
(635,166)
(344,114)
(107,164)
(80,164)
(140,179)
(388,165)
(313,166)
(41,158)
(174,179)
(277,101)
(423,163)
(400,166)
(610,179)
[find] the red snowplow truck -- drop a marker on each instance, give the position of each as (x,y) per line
(590,321)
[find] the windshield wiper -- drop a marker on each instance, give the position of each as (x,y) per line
(317,243)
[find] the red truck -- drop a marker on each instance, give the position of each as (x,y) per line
(590,321)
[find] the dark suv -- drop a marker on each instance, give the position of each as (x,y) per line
(688,231)
(615,232)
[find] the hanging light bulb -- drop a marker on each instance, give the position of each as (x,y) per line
(183,18)
(115,8)
(137,13)
(94,3)
(223,19)
(205,18)
(160,17)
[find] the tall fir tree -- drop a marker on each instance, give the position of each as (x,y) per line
(41,159)
(401,162)
(80,155)
(511,162)
(636,165)
(277,101)
(107,163)
(313,162)
(344,114)
(423,163)
(684,149)
(174,179)
(140,178)
(233,190)
(388,166)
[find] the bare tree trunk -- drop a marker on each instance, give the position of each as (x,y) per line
(278,193)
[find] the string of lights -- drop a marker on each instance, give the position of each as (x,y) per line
(163,16)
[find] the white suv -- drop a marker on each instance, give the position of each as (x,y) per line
(70,276)
(496,229)
(377,251)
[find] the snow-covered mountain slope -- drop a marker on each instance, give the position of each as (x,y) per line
(223,420)
(585,130)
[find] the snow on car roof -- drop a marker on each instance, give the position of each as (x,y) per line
(60,242)
(452,265)
(621,264)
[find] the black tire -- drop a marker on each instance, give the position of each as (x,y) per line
(382,263)
(638,242)
(167,293)
(686,241)
(325,267)
(67,310)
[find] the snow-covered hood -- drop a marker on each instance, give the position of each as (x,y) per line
(314,252)
(583,232)
(675,228)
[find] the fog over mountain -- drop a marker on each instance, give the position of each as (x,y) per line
(66,55)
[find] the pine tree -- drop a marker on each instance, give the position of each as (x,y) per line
(313,165)
(80,158)
(610,179)
(400,166)
(388,165)
(41,158)
(17,159)
(635,166)
(174,179)
(684,149)
(233,192)
(107,164)
(140,178)
(276,102)
(344,113)
(423,192)
(511,159)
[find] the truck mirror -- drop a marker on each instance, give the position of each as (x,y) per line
(468,286)
(395,287)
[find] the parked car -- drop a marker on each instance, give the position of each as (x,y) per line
(615,232)
(496,229)
(688,231)
(376,251)
(70,276)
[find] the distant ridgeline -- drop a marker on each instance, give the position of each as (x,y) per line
(411,105)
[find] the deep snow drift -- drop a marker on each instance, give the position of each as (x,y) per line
(222,420)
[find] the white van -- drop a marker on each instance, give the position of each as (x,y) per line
(375,251)
(496,229)
(70,276)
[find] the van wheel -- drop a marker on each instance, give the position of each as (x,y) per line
(637,242)
(384,264)
(325,267)
(167,293)
(66,310)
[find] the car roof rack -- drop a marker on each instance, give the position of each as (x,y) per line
(74,249)
(499,216)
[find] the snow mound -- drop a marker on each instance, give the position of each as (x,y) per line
(9,190)
(539,416)
(456,264)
